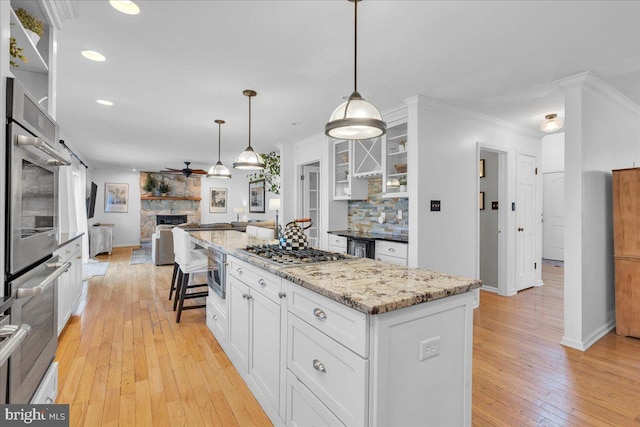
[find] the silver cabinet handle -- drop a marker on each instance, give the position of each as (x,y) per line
(246,296)
(239,270)
(23,140)
(11,344)
(318,366)
(262,283)
(392,250)
(48,401)
(214,317)
(37,290)
(319,313)
(282,295)
(249,296)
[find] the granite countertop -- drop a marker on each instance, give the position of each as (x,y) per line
(402,238)
(363,284)
(66,238)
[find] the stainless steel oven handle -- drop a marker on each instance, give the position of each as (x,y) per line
(24,140)
(12,343)
(37,290)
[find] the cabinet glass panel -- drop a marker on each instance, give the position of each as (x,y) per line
(396,160)
(341,161)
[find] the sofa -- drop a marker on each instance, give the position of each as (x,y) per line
(162,239)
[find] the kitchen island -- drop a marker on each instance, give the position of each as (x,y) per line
(347,342)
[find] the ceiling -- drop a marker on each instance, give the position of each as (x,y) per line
(179,65)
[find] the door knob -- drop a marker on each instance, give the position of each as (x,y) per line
(520,229)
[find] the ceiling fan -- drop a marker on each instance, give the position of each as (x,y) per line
(187,171)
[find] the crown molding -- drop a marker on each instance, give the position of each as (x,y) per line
(600,87)
(422,101)
(60,11)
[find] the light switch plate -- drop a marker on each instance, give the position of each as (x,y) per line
(399,213)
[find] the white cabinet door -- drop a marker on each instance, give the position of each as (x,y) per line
(265,346)
(238,320)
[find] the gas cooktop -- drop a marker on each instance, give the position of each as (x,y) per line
(293,257)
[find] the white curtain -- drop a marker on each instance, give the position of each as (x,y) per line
(81,209)
(73,211)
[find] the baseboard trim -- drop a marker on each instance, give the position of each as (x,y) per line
(490,289)
(591,339)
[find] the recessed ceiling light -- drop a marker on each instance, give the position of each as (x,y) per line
(134,170)
(296,124)
(104,102)
(125,6)
(92,55)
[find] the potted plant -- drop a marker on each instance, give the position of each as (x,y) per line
(16,52)
(149,184)
(403,184)
(164,188)
(402,146)
(32,25)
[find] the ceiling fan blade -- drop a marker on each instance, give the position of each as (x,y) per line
(170,172)
(173,170)
(198,171)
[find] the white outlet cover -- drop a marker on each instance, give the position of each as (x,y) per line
(429,348)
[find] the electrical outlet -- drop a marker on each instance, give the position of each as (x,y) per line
(383,215)
(429,348)
(399,213)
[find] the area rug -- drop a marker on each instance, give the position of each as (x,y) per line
(92,269)
(142,255)
(553,262)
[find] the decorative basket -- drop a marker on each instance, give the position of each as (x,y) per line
(401,167)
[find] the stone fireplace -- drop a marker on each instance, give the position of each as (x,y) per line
(183,199)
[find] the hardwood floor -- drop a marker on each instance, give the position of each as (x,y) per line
(124,361)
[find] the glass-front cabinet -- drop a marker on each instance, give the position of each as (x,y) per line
(367,157)
(345,187)
(394,182)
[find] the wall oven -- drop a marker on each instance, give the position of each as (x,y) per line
(11,338)
(216,276)
(33,158)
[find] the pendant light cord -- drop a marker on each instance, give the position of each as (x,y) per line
(355,47)
(249,120)
(219,127)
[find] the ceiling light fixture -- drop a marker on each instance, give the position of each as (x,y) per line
(249,159)
(92,55)
(355,118)
(125,6)
(104,102)
(551,123)
(219,170)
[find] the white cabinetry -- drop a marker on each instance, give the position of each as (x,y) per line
(345,187)
(217,317)
(394,179)
(48,388)
(337,243)
(70,282)
(392,252)
(256,323)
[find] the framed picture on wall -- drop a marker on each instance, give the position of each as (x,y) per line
(218,200)
(256,196)
(116,197)
(481,200)
(481,167)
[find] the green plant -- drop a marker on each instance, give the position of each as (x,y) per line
(30,22)
(403,181)
(150,183)
(270,173)
(164,187)
(16,52)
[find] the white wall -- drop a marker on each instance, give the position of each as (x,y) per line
(237,195)
(553,153)
(126,231)
(602,133)
(445,159)
(489,221)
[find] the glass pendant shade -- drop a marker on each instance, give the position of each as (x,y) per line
(355,119)
(249,160)
(219,170)
(551,123)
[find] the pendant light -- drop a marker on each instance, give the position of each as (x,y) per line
(356,118)
(219,170)
(249,159)
(551,123)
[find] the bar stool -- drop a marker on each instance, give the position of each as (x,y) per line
(190,261)
(176,270)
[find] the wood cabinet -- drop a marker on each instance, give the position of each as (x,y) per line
(70,282)
(626,243)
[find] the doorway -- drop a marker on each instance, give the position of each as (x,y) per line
(525,222)
(310,200)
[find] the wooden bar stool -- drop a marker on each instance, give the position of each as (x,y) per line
(190,261)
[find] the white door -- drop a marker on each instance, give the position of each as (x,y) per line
(553,210)
(311,202)
(525,222)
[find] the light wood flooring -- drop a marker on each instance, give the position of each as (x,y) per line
(124,361)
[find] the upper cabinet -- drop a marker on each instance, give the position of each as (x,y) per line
(345,187)
(367,158)
(394,179)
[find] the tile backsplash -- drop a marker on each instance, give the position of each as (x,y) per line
(363,214)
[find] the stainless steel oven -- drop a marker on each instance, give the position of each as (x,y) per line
(11,338)
(35,294)
(216,276)
(33,158)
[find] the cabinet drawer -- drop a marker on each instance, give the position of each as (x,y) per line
(391,259)
(266,283)
(216,320)
(48,388)
(344,324)
(398,250)
(339,241)
(337,376)
(304,409)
